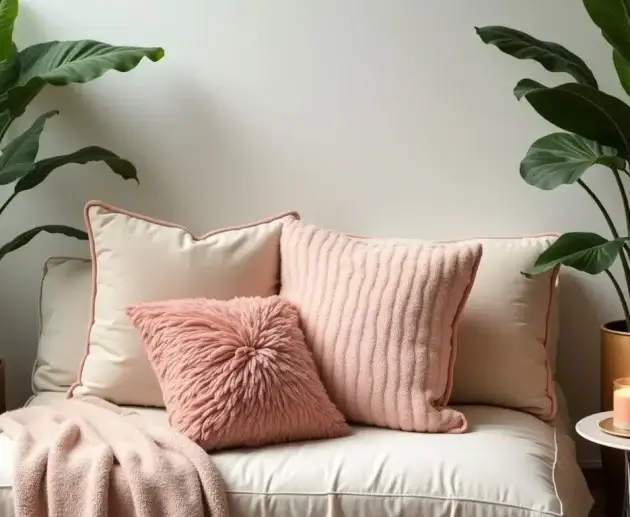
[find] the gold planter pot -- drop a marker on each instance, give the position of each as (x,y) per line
(615,363)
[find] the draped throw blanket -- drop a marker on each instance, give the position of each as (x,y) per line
(87,457)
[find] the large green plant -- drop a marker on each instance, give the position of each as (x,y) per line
(597,132)
(23,75)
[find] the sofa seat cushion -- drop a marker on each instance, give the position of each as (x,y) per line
(509,464)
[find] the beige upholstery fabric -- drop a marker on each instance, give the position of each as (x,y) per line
(140,260)
(507,331)
(64,309)
(510,464)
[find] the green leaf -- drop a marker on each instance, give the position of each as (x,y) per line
(18,157)
(613,18)
(562,158)
(587,112)
(43,168)
(9,72)
(584,251)
(24,238)
(524,86)
(59,63)
(5,121)
(552,56)
(8,15)
(623,70)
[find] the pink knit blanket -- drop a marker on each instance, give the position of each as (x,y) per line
(86,457)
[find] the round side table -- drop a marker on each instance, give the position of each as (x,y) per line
(588,428)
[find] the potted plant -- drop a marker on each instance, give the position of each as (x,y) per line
(23,75)
(595,131)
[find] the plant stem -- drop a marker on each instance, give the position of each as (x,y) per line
(601,207)
(626,208)
(6,203)
(622,299)
(623,255)
(624,197)
(5,128)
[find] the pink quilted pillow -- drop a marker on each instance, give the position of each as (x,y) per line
(237,372)
(381,319)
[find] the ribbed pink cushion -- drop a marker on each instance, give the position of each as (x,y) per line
(236,373)
(381,319)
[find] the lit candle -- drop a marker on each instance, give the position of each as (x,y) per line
(621,408)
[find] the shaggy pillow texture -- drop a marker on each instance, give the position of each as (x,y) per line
(381,319)
(237,372)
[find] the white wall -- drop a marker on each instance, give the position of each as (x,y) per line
(371,116)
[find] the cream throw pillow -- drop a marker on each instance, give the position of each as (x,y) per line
(135,260)
(64,313)
(507,333)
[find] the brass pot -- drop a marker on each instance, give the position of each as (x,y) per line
(615,363)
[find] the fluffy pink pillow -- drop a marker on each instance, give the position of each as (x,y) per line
(381,319)
(237,372)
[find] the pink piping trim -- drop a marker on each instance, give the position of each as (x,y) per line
(550,390)
(116,210)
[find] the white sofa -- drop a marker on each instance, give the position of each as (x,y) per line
(510,464)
